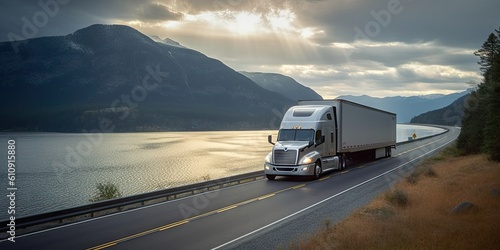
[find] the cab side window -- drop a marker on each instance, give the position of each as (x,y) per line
(318,136)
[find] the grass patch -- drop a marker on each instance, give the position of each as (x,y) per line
(383,212)
(426,170)
(450,152)
(413,177)
(391,222)
(427,167)
(397,197)
(429,172)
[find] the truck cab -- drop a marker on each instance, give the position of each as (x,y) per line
(306,144)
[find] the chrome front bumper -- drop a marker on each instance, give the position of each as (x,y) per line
(296,170)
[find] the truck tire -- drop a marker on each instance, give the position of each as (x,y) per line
(317,171)
(270,177)
(342,159)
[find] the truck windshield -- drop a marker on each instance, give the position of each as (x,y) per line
(296,135)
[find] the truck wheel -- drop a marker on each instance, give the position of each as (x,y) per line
(342,159)
(270,177)
(317,171)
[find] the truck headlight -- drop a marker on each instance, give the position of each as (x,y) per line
(268,157)
(306,160)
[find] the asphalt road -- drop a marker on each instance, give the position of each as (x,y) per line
(256,215)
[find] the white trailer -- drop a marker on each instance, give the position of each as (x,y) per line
(317,136)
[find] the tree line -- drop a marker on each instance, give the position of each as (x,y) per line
(481,123)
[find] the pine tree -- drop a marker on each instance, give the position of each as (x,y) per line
(471,137)
(492,121)
(488,51)
(480,128)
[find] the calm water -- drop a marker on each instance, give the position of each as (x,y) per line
(56,171)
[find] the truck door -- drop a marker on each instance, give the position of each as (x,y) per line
(329,132)
(329,141)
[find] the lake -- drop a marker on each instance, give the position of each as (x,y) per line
(59,170)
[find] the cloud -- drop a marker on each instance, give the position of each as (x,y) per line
(157,12)
(459,23)
(125,10)
(260,6)
(431,73)
(377,47)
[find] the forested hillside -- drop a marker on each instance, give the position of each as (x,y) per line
(450,115)
(480,129)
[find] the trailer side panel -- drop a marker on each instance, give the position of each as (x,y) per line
(363,128)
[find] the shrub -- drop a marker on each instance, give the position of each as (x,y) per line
(105,191)
(429,171)
(424,169)
(397,197)
(206,177)
(412,178)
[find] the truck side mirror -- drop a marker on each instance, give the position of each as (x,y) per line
(270,139)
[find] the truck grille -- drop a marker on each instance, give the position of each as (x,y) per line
(282,157)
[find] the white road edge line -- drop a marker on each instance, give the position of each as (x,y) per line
(329,198)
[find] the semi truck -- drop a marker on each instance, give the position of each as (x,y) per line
(316,136)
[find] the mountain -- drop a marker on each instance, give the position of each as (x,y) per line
(114,77)
(431,96)
(406,107)
(450,115)
(283,85)
(167,41)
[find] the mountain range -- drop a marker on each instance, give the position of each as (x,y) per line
(283,85)
(406,107)
(112,78)
(115,75)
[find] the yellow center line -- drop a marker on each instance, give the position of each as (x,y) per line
(182,222)
(265,196)
(173,225)
(112,243)
(226,208)
(347,171)
(299,186)
(324,178)
(102,246)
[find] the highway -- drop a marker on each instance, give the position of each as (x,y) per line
(256,215)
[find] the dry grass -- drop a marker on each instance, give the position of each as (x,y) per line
(426,222)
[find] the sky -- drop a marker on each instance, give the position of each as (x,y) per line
(336,47)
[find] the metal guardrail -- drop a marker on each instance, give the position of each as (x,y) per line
(57,218)
(446,129)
